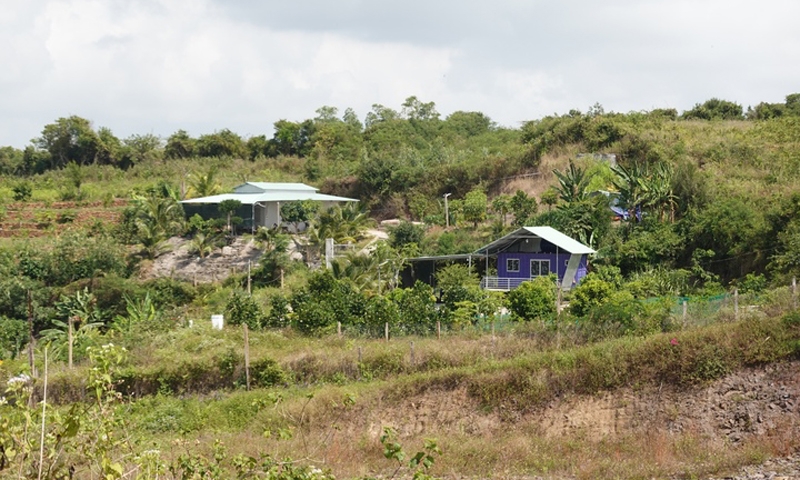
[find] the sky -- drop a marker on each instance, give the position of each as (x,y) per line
(157,66)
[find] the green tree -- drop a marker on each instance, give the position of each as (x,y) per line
(523,207)
(70,139)
(406,233)
(140,148)
(180,145)
(275,260)
(501,205)
(223,143)
(228,208)
(714,109)
(475,206)
(156,219)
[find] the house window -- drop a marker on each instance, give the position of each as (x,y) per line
(540,267)
(512,264)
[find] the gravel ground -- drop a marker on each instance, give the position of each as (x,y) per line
(775,469)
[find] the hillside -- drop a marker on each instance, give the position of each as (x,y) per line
(675,357)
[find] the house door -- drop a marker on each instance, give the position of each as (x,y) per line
(540,267)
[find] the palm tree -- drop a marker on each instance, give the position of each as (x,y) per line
(572,183)
(203,184)
(158,218)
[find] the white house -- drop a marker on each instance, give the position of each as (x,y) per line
(261,201)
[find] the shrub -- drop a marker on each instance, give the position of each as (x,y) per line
(13,336)
(22,191)
(325,301)
(170,292)
(533,299)
(278,316)
(267,373)
(67,216)
(590,294)
(241,308)
(417,308)
(406,233)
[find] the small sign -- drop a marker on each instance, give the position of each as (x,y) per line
(217,322)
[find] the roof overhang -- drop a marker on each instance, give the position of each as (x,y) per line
(549,234)
(268,197)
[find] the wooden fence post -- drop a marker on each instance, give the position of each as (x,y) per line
(339,329)
(412,354)
(31,340)
(386,330)
(438,329)
(736,304)
(246,355)
(249,281)
(685,311)
(70,339)
(794,293)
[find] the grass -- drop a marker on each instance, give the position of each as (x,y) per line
(486,400)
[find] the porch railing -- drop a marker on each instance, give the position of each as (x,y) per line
(502,284)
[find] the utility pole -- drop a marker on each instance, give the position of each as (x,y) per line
(446,211)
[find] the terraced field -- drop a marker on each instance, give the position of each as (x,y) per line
(37,219)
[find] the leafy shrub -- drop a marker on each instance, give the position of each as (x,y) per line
(325,301)
(378,311)
(241,308)
(170,292)
(534,299)
(22,191)
(417,308)
(278,316)
(591,293)
(406,233)
(267,373)
(616,315)
(13,336)
(67,216)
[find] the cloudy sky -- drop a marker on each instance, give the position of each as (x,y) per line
(156,66)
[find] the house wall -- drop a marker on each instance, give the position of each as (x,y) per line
(558,264)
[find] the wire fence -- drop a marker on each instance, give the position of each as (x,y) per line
(684,312)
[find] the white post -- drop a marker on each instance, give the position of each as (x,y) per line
(446,211)
(328,252)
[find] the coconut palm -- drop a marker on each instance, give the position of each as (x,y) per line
(203,184)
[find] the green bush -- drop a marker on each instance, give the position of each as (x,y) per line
(22,191)
(241,308)
(534,299)
(325,301)
(278,316)
(13,336)
(267,373)
(170,292)
(591,293)
(417,309)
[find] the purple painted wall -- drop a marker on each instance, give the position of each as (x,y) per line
(525,264)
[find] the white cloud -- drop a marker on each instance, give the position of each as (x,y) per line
(154,66)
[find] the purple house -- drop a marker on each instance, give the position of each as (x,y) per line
(534,251)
